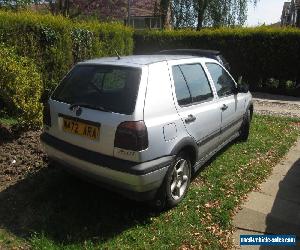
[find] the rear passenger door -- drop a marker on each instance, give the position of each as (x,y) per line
(230,103)
(196,105)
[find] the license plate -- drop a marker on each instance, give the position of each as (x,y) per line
(81,128)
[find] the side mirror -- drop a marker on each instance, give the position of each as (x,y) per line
(240,80)
(243,88)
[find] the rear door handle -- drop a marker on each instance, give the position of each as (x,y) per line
(190,119)
(224,107)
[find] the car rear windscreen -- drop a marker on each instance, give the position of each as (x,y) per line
(107,87)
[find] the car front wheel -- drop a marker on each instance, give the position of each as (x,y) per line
(245,128)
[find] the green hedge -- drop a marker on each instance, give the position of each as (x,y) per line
(21,87)
(257,54)
(56,43)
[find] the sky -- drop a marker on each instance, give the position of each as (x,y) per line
(266,11)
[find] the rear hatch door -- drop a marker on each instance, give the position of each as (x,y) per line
(91,102)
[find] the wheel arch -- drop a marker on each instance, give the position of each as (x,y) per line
(251,108)
(189,146)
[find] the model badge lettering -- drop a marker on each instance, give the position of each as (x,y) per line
(126,152)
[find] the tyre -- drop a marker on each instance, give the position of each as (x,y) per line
(245,128)
(176,183)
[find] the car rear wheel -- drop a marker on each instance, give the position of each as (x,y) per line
(177,180)
(176,183)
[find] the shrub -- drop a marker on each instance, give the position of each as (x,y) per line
(21,87)
(44,39)
(94,39)
(257,54)
(55,43)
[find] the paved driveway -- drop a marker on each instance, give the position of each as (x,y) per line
(275,208)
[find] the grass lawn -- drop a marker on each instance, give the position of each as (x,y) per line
(52,210)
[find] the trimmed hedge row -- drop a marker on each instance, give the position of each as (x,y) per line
(257,54)
(56,43)
(21,87)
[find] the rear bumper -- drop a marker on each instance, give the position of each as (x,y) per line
(135,180)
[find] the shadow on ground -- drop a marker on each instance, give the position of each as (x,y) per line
(286,207)
(67,209)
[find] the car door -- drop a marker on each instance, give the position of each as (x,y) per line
(197,106)
(230,102)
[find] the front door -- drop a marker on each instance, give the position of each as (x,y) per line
(231,104)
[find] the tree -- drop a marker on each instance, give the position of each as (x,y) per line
(166,13)
(59,7)
(102,9)
(201,7)
(221,12)
(199,13)
(183,13)
(15,4)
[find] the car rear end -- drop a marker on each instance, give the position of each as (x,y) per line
(94,126)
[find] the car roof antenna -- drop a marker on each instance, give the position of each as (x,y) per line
(119,58)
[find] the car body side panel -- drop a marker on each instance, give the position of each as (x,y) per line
(206,128)
(232,116)
(165,128)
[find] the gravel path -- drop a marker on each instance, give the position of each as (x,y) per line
(277,107)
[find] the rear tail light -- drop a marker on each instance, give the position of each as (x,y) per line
(47,115)
(132,136)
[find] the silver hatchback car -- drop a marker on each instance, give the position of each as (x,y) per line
(143,125)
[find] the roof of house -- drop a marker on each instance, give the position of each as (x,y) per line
(119,9)
(143,7)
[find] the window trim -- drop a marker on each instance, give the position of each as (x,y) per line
(185,85)
(225,96)
(208,81)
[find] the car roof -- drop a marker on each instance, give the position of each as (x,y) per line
(137,60)
(193,52)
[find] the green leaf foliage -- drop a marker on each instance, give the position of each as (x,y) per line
(21,87)
(257,54)
(56,43)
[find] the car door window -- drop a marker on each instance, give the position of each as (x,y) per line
(197,82)
(191,84)
(225,86)
(182,92)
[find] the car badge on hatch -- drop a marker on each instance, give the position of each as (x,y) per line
(77,110)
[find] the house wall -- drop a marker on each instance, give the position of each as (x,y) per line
(291,13)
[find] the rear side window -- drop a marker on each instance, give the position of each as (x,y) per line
(107,87)
(191,83)
(224,84)
(182,92)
